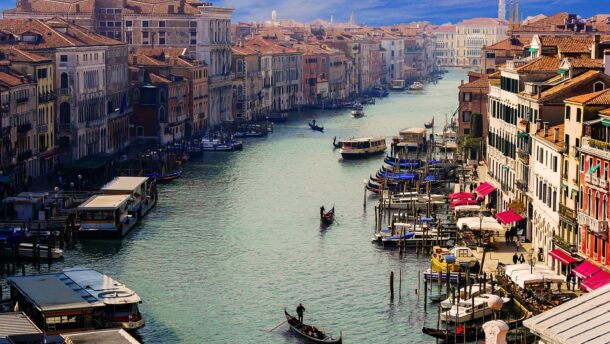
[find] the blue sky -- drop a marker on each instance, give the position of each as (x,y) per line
(381,12)
(384,12)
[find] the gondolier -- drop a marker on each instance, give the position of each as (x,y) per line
(322,209)
(300,308)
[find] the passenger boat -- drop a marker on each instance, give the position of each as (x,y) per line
(398,85)
(278,117)
(105,216)
(379,91)
(473,309)
(313,126)
(357,110)
(309,332)
(416,86)
(215,145)
(142,191)
(412,138)
(362,147)
(121,303)
(164,178)
(327,218)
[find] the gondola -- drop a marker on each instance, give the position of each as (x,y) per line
(315,127)
(160,178)
(429,125)
(452,336)
(327,218)
(337,144)
(309,332)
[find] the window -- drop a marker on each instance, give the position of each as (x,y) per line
(128,23)
(598,86)
(110,24)
(466,116)
(578,114)
(42,73)
(117,24)
(102,24)
(63,58)
(161,38)
(129,37)
(193,38)
(568,112)
(161,23)
(554,164)
(467,97)
(145,23)
(193,24)
(144,37)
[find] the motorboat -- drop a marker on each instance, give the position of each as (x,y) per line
(416,86)
(27,250)
(357,110)
(475,308)
(397,85)
(215,145)
(464,295)
(362,147)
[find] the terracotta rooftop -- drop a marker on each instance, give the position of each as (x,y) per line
(445,28)
(605,112)
(11,79)
(162,57)
(18,55)
(53,33)
(482,22)
(158,79)
(551,135)
(86,7)
(483,82)
(571,83)
(513,43)
(568,44)
(595,98)
(263,46)
(546,23)
(541,64)
(586,62)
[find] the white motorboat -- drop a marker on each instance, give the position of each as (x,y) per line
(473,309)
(416,86)
(357,110)
(27,250)
(215,145)
(448,303)
(397,85)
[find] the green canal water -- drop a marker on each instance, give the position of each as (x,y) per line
(237,238)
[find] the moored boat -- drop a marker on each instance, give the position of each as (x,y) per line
(416,86)
(397,84)
(327,218)
(362,147)
(164,178)
(473,309)
(27,250)
(459,334)
(278,117)
(309,332)
(412,138)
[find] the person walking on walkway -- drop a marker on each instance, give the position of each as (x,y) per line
(515,258)
(300,311)
(521,258)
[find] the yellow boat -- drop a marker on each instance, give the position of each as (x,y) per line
(439,264)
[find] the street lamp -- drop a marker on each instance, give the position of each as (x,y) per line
(80,182)
(480,228)
(530,256)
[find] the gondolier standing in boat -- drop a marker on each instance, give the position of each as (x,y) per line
(322,209)
(300,310)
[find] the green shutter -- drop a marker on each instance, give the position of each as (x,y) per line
(606,122)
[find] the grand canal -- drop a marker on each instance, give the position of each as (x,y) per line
(237,239)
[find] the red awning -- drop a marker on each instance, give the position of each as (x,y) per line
(596,281)
(461,195)
(508,216)
(562,256)
(484,189)
(463,202)
(585,270)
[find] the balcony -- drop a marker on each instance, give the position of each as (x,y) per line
(596,147)
(595,226)
(523,126)
(564,245)
(522,185)
(64,92)
(46,97)
(22,100)
(523,156)
(603,183)
(43,128)
(567,212)
(24,128)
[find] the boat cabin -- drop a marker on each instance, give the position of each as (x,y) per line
(364,142)
(75,300)
(105,216)
(412,138)
(139,188)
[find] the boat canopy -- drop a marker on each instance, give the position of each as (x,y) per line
(417,131)
(104,202)
(124,184)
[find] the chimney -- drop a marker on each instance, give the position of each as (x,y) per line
(546,129)
(555,134)
(595,47)
(607,62)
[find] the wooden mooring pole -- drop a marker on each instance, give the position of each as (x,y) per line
(391,286)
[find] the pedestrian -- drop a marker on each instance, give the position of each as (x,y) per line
(300,311)
(471,188)
(515,258)
(521,258)
(506,235)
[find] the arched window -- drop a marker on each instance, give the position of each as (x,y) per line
(597,205)
(580,196)
(64,80)
(605,208)
(598,86)
(589,202)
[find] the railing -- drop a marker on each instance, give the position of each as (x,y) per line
(64,91)
(594,225)
(522,184)
(567,212)
(47,97)
(587,178)
(603,183)
(564,245)
(523,156)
